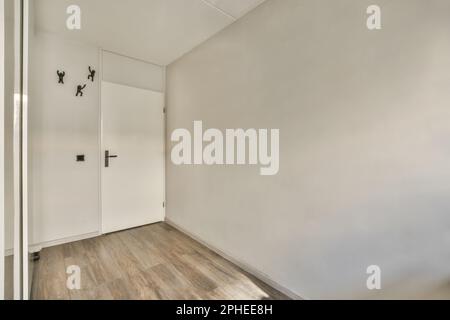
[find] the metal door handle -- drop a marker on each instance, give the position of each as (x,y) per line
(107,157)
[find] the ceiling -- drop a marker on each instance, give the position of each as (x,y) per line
(158,31)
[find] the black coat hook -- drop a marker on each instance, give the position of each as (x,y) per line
(61,76)
(80,89)
(92,74)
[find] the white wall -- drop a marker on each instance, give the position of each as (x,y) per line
(131,72)
(64,193)
(365,160)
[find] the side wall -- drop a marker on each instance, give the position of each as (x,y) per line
(365,160)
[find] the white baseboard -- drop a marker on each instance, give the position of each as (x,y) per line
(57,242)
(52,243)
(253,271)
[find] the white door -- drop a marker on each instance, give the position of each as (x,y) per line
(132,157)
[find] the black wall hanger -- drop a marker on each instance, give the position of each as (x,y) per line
(80,89)
(92,74)
(61,75)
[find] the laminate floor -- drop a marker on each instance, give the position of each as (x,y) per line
(149,263)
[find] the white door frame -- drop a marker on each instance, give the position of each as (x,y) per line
(24,162)
(102,146)
(2,150)
(21,25)
(17,150)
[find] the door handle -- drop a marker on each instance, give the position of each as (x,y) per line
(107,157)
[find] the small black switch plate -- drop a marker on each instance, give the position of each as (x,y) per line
(81,158)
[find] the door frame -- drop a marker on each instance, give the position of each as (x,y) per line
(2,150)
(100,143)
(26,274)
(17,152)
(101,53)
(20,149)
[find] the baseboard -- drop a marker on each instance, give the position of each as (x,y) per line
(244,266)
(47,244)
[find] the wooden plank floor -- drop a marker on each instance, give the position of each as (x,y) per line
(148,263)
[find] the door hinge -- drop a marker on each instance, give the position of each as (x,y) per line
(164,204)
(165,110)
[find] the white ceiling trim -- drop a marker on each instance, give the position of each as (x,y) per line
(234,8)
(229,15)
